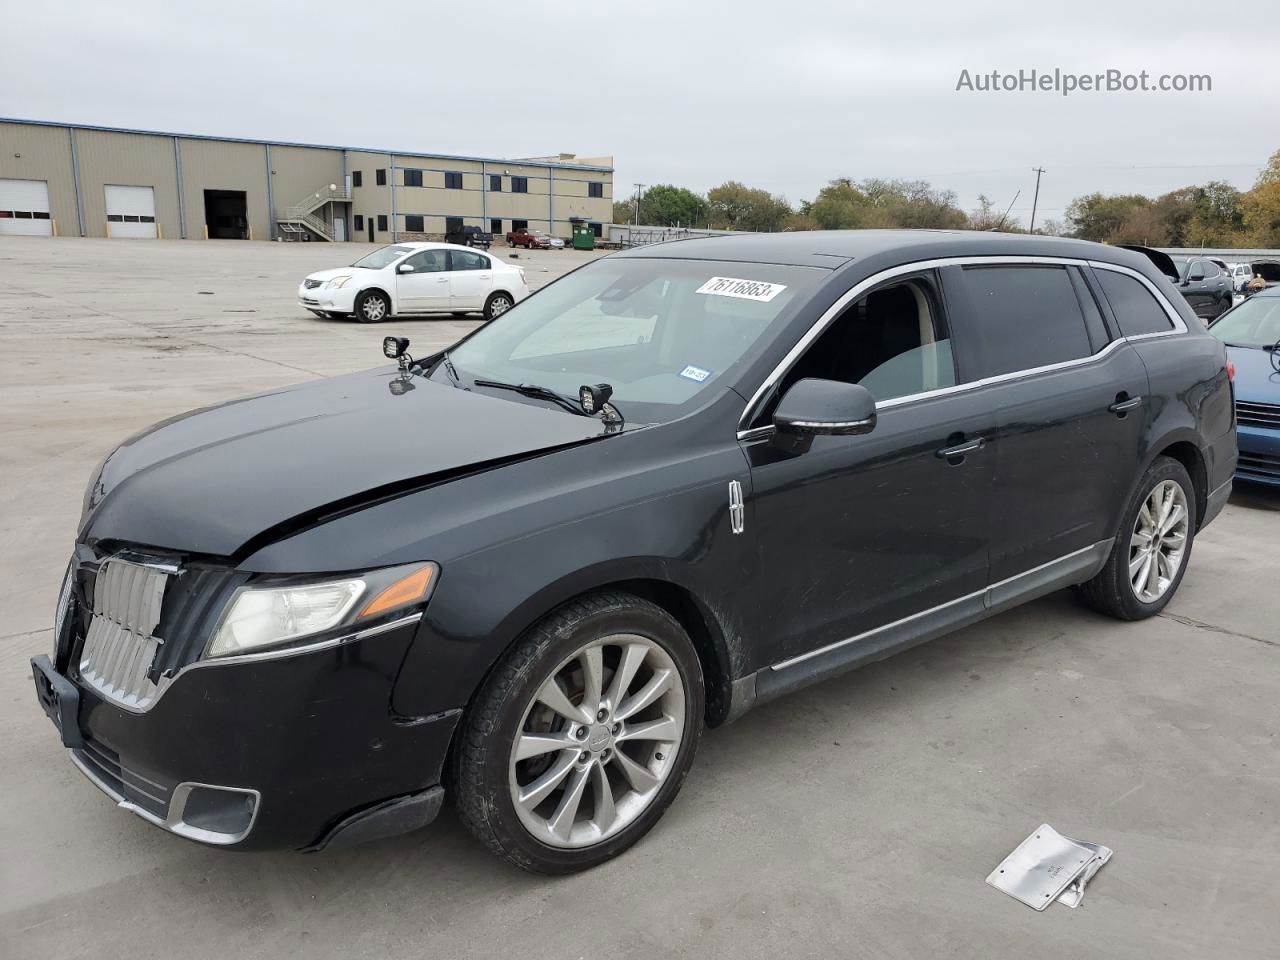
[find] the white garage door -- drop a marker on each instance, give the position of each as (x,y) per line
(24,208)
(131,211)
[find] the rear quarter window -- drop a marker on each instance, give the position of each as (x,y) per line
(1137,310)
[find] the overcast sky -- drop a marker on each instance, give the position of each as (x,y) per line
(784,96)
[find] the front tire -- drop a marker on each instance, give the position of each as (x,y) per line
(497,304)
(372,307)
(1152,546)
(582,736)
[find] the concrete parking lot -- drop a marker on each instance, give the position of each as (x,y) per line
(855,819)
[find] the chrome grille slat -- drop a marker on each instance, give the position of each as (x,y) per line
(1258,414)
(120,644)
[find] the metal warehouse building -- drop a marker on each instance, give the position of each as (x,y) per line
(104,182)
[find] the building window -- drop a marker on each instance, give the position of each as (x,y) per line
(452,181)
(382,222)
(452,226)
(519,225)
(357,178)
(413,178)
(597,229)
(595,189)
(495,182)
(380,175)
(413,222)
(495,225)
(359,222)
(519,184)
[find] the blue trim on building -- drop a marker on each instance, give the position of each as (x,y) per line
(314,146)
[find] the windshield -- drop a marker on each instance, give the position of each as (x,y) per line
(1255,323)
(382,257)
(660,332)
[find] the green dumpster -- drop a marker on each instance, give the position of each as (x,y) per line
(583,236)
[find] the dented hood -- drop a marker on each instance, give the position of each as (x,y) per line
(215,480)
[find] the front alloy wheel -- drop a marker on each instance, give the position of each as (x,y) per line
(1159,541)
(372,307)
(581,736)
(597,741)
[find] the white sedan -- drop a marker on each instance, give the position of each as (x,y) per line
(409,278)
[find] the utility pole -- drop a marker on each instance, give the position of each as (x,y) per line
(636,211)
(1036,199)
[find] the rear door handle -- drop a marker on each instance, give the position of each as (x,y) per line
(959,450)
(442,279)
(1123,406)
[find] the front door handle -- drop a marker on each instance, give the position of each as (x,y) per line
(442,280)
(1124,404)
(959,450)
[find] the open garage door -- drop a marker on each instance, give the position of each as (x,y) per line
(131,212)
(24,208)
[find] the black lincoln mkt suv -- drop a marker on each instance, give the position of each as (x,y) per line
(682,480)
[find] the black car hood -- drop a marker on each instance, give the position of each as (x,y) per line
(218,479)
(1163,262)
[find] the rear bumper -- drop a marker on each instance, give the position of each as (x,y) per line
(286,752)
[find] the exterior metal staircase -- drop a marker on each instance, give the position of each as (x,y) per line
(299,221)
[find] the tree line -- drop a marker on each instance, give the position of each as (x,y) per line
(1214,214)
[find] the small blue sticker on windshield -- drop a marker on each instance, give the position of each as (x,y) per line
(696,374)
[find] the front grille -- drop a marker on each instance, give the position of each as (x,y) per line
(120,644)
(1258,414)
(1260,465)
(311,284)
(105,765)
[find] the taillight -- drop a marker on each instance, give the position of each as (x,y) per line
(1231,371)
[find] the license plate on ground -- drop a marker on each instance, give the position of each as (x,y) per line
(59,699)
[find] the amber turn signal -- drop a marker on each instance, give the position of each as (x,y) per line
(410,589)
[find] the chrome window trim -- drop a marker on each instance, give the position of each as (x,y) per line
(808,655)
(746,433)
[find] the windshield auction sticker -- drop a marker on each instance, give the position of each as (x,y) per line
(741,289)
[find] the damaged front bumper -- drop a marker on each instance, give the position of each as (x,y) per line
(294,748)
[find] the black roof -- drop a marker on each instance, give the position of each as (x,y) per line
(835,248)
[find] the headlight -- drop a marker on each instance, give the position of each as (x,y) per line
(280,616)
(337,282)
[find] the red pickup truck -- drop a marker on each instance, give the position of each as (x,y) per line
(533,239)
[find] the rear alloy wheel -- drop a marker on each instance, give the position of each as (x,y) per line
(1151,549)
(1159,541)
(582,736)
(497,305)
(372,307)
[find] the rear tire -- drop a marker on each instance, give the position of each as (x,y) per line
(497,304)
(537,771)
(1121,590)
(372,307)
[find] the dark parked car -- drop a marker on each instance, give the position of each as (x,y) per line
(1251,332)
(469,235)
(1205,285)
(676,483)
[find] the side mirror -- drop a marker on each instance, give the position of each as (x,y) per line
(826,408)
(405,268)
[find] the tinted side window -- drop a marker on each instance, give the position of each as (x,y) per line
(466,260)
(1018,318)
(893,341)
(429,261)
(1099,336)
(1137,311)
